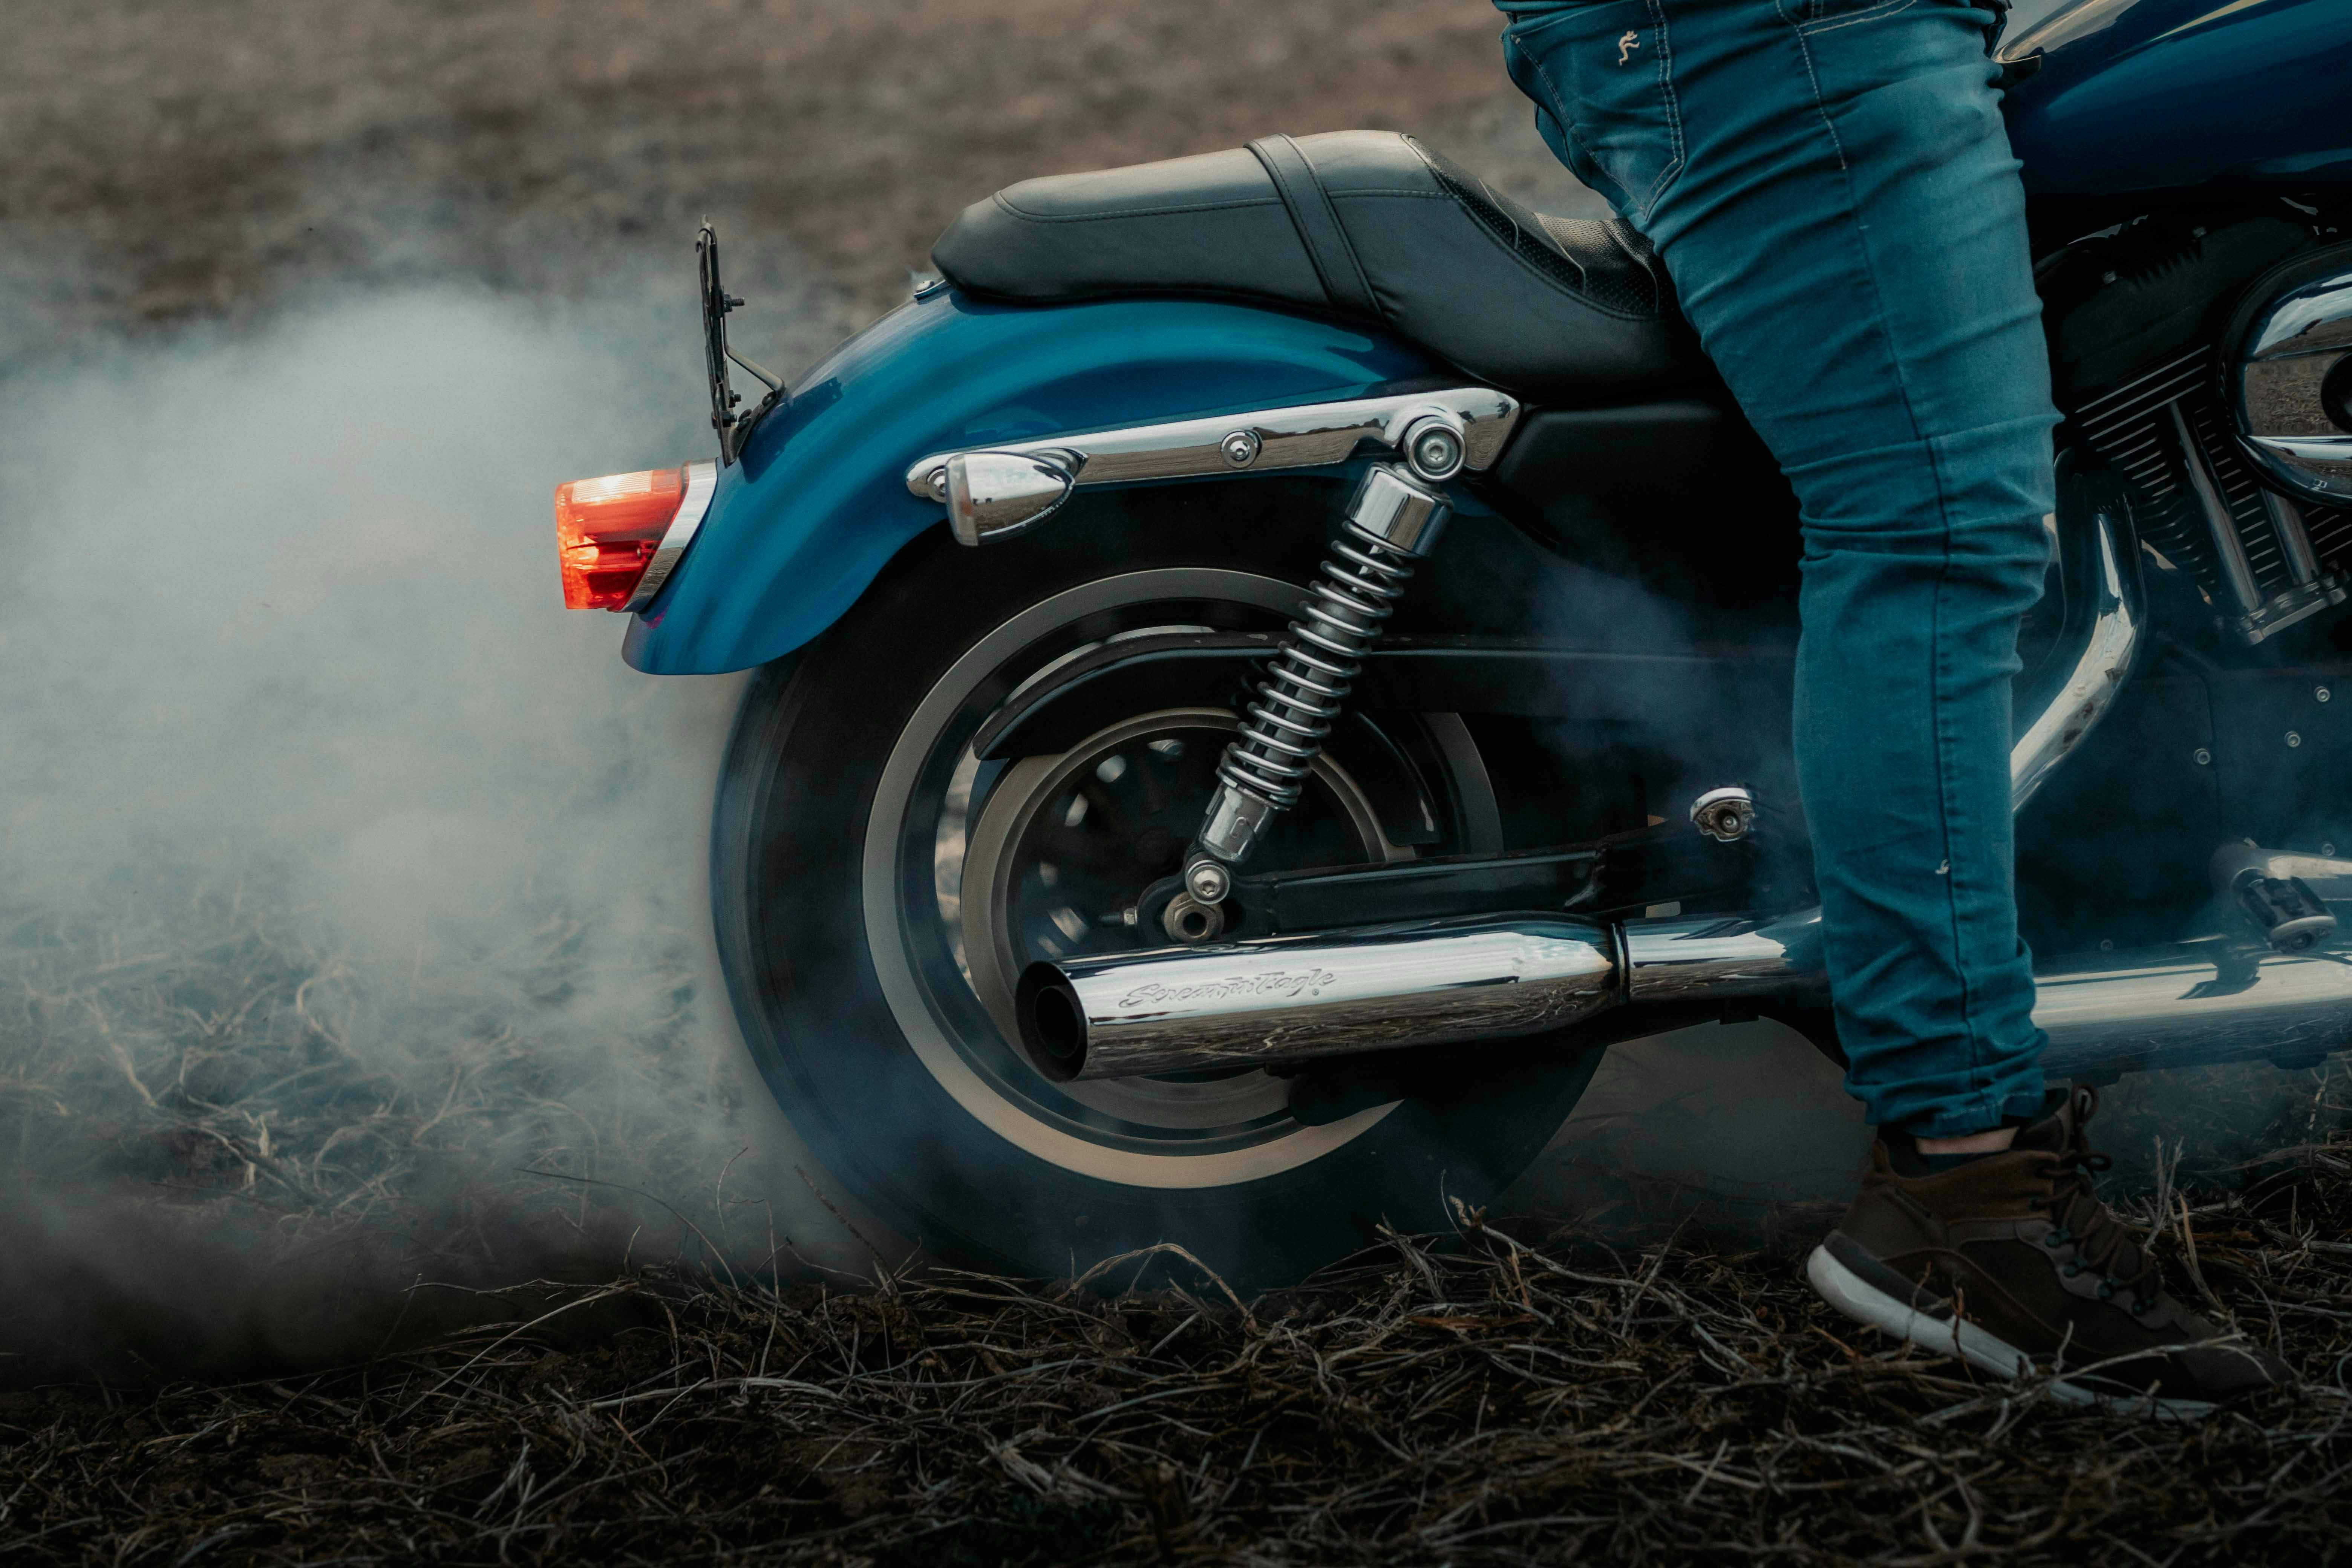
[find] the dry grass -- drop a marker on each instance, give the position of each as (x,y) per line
(227,1147)
(1484,1401)
(1489,1397)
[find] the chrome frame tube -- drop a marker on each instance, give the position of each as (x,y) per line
(2103,663)
(2219,524)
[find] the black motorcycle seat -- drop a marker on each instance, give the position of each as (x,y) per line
(1363,224)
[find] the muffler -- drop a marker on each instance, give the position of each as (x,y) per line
(1294,999)
(1291,1000)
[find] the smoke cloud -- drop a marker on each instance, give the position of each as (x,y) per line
(349,880)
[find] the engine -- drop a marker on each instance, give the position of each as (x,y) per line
(2239,448)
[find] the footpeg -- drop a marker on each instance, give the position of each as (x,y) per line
(2270,886)
(2286,912)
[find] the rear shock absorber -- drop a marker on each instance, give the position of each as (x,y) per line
(1394,521)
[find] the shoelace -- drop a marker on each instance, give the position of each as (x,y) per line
(2100,1238)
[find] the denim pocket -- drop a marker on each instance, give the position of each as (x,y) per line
(1602,76)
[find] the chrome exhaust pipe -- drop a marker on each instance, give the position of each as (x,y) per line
(1290,1000)
(2218,1000)
(1297,999)
(1294,999)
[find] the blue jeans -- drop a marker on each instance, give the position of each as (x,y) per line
(1829,184)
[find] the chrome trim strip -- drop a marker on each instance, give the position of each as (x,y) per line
(2102,665)
(1310,435)
(701,481)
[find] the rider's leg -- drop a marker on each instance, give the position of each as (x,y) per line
(1830,186)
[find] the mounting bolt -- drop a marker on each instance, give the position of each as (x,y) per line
(2293,740)
(1240,447)
(1433,449)
(1208,880)
(2201,757)
(939,482)
(2322,693)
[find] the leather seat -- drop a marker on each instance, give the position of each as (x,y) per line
(1364,224)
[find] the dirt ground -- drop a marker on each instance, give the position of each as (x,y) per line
(183,170)
(174,159)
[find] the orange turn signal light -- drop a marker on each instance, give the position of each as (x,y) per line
(607,529)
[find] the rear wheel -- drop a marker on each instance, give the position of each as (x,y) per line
(879,887)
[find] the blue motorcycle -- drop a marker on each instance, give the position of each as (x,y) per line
(1275,660)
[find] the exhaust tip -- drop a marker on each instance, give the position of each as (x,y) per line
(1053,1023)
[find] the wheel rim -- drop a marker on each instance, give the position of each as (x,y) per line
(1037,884)
(930,805)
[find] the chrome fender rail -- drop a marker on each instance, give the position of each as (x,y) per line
(997,491)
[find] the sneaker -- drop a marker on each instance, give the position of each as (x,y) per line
(2011,1261)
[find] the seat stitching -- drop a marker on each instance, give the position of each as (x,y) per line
(1031,216)
(1521,262)
(1585,288)
(1542,236)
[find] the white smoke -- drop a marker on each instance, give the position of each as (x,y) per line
(304,770)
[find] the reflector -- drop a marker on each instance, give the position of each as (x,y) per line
(607,529)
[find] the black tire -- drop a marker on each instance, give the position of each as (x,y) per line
(821,843)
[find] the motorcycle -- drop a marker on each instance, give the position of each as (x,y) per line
(1350,688)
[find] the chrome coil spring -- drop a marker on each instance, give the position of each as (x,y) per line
(1312,671)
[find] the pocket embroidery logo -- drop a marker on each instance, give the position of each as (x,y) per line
(1627,44)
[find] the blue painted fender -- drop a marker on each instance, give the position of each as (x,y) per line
(819,502)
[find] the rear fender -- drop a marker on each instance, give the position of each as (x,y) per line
(819,502)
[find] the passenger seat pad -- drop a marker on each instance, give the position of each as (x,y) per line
(1361,223)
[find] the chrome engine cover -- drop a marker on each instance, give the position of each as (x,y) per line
(2290,377)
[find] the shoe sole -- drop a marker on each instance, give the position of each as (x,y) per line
(1865,1303)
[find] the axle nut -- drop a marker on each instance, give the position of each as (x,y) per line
(1190,922)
